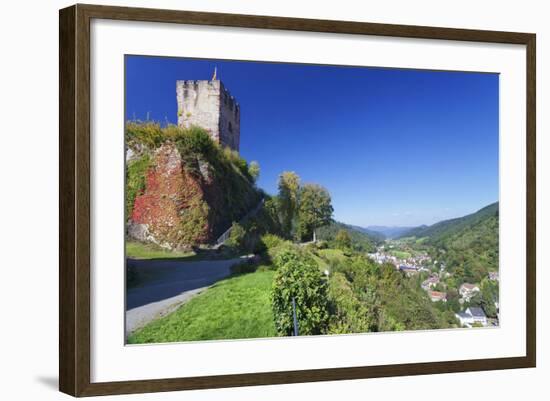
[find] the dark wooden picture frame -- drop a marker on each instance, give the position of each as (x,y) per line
(74,200)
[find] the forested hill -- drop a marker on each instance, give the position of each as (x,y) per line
(469,245)
(446,228)
(360,240)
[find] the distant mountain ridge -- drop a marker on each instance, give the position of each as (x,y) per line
(366,230)
(389,231)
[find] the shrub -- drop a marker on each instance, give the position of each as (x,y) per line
(343,239)
(173,132)
(192,144)
(234,158)
(237,237)
(321,244)
(311,248)
(198,141)
(247,266)
(254,170)
(348,313)
(298,277)
(274,252)
(272,241)
(148,134)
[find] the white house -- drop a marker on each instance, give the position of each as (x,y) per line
(467,291)
(465,319)
(472,315)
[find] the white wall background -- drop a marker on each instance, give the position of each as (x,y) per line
(28,196)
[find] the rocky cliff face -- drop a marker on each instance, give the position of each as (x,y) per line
(180,206)
(172,201)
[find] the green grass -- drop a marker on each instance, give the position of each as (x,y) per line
(332,253)
(401,254)
(137,250)
(238,307)
(323,265)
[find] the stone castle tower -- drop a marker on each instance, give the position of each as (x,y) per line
(209,105)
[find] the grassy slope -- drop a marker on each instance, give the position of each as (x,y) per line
(332,255)
(238,307)
(137,250)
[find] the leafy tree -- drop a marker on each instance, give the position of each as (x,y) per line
(489,295)
(343,239)
(315,210)
(268,217)
(475,300)
(459,274)
(298,277)
(254,170)
(289,186)
(237,237)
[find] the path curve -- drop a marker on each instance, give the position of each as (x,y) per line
(174,283)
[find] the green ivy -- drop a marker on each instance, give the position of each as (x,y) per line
(135,180)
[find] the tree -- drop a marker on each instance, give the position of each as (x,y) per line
(289,186)
(237,237)
(314,210)
(298,277)
(489,295)
(254,170)
(343,239)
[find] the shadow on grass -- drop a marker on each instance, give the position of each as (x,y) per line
(151,281)
(176,273)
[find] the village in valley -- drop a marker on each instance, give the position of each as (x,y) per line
(433,278)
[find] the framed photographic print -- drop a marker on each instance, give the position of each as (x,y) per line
(250,200)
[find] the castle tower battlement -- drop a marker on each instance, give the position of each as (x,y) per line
(209,105)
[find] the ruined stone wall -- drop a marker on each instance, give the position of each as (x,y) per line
(209,105)
(230,120)
(199,104)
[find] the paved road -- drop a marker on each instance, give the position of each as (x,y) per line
(170,283)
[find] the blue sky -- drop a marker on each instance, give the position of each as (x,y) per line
(393,147)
